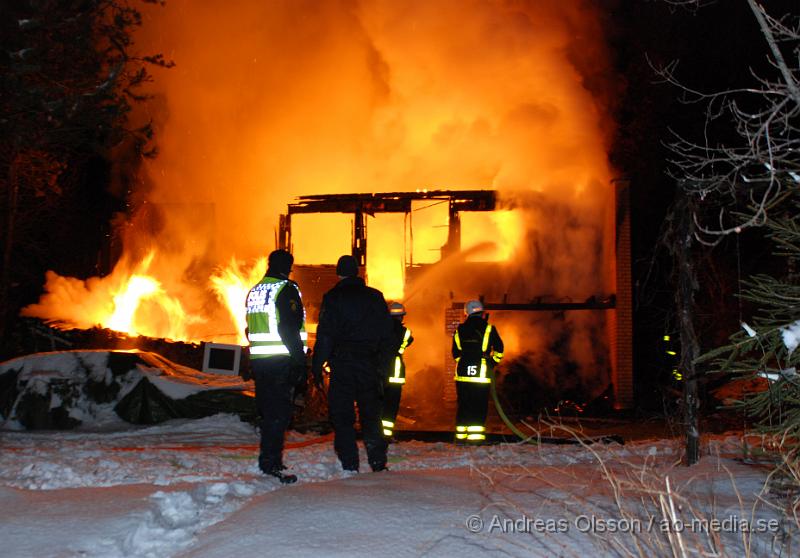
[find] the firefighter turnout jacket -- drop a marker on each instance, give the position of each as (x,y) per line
(402,339)
(476,348)
(276,319)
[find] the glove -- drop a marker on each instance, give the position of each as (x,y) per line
(298,370)
(317,373)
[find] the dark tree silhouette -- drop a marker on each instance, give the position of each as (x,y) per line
(744,172)
(69,80)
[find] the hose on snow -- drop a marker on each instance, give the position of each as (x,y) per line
(504,417)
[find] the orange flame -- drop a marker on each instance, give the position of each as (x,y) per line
(127,302)
(231,284)
(366,96)
(133,302)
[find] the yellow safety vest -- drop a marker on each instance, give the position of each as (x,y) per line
(263,319)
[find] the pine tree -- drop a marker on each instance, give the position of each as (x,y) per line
(744,172)
(766,346)
(68,80)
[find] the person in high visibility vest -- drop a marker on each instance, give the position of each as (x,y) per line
(277,348)
(477,348)
(396,375)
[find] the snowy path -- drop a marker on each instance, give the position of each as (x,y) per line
(191,488)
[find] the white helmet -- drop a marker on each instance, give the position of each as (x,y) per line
(397,309)
(472,307)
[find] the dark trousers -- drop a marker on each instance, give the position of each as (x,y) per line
(356,381)
(391,403)
(274,395)
(473,404)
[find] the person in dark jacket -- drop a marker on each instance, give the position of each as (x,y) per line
(354,337)
(477,347)
(277,338)
(396,373)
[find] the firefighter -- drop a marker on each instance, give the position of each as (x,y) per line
(354,338)
(477,347)
(396,373)
(277,337)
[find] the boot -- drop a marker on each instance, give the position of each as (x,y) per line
(350,467)
(285,478)
(378,466)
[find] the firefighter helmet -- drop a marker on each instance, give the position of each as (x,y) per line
(472,307)
(397,309)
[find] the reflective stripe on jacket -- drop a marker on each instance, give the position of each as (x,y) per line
(398,375)
(263,319)
(474,343)
(468,370)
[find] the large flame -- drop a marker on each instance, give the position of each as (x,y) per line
(272,100)
(231,284)
(127,302)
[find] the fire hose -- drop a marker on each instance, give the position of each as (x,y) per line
(521,435)
(504,417)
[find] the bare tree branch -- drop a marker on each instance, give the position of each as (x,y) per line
(760,159)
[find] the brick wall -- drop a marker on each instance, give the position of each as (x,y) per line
(623,340)
(452,318)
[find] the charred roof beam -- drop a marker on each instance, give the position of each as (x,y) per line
(591,303)
(393,202)
(389,202)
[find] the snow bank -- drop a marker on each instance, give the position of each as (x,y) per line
(189,488)
(62,390)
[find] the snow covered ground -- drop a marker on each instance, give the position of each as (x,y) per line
(192,488)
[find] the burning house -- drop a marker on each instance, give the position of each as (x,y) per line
(438,290)
(317,279)
(349,97)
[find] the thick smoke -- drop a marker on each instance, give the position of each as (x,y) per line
(272,100)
